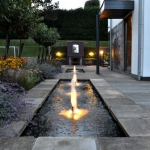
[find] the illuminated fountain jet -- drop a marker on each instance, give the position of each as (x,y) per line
(74,69)
(74,113)
(73,84)
(74,77)
(74,100)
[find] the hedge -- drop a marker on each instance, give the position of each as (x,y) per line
(78,24)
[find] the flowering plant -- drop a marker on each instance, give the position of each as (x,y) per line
(12,62)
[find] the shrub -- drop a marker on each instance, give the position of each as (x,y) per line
(88,62)
(49,68)
(11,104)
(27,78)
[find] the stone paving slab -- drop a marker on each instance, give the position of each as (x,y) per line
(107,95)
(61,143)
(129,111)
(17,143)
(130,143)
(38,93)
(118,101)
(136,126)
(33,101)
(13,129)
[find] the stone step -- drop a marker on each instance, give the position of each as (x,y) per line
(67,143)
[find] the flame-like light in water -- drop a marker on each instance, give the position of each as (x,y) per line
(74,69)
(75,113)
(73,99)
(73,85)
(75,77)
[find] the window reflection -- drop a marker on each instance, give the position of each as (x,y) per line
(75,48)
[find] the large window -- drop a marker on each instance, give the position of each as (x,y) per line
(128,43)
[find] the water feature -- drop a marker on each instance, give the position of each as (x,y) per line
(75,70)
(73,108)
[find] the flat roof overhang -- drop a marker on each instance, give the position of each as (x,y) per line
(113,9)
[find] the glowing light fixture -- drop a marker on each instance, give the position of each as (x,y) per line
(101,52)
(91,54)
(58,54)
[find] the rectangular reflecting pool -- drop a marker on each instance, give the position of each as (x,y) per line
(55,117)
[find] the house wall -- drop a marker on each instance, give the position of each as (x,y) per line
(117,25)
(146,39)
(118,46)
(134,63)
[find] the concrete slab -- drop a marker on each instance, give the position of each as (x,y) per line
(118,101)
(40,93)
(48,86)
(99,82)
(17,143)
(130,143)
(113,91)
(34,101)
(15,128)
(136,126)
(139,97)
(63,143)
(106,96)
(129,111)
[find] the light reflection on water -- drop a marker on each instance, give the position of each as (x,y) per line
(76,115)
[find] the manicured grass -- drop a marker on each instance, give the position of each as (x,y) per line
(86,43)
(31,48)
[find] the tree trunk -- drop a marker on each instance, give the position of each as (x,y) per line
(42,55)
(21,47)
(7,46)
(49,52)
(38,60)
(46,54)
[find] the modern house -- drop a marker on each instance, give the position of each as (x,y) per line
(129,28)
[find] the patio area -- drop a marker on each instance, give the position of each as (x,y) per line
(127,99)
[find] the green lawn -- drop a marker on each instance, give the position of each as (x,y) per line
(31,48)
(86,43)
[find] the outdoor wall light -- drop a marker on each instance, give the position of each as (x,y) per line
(58,54)
(101,52)
(91,54)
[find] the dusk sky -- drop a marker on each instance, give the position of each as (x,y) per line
(70,4)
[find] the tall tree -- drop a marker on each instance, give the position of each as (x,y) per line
(91,3)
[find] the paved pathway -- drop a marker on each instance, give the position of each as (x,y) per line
(127,99)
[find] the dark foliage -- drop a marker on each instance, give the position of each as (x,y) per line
(78,24)
(91,3)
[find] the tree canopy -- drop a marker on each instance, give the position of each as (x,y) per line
(91,3)
(46,4)
(17,19)
(45,36)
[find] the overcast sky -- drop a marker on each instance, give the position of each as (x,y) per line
(70,4)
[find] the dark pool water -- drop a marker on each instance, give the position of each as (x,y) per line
(77,70)
(97,121)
